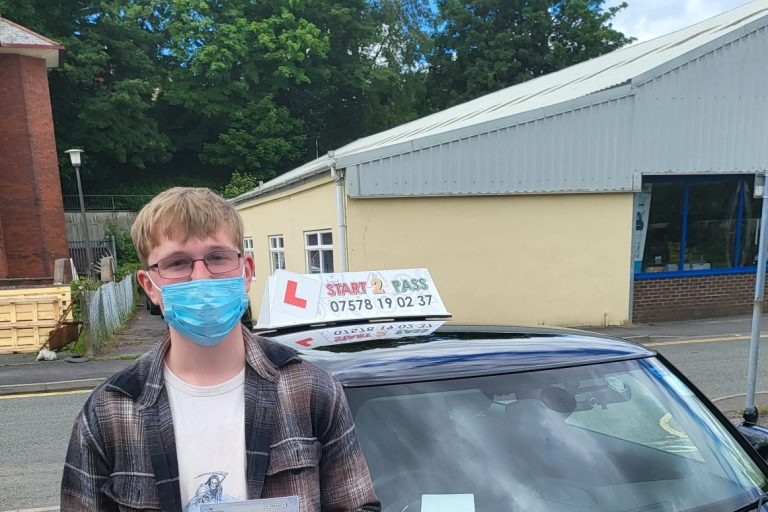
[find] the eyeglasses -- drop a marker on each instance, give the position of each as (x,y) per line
(178,267)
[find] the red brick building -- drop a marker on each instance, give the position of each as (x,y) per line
(32,223)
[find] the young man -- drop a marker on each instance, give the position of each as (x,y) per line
(213,413)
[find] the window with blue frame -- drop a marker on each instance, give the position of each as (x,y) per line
(700,225)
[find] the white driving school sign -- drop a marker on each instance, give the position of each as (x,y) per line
(301,299)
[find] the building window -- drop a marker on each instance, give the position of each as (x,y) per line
(248,245)
(277,252)
(319,246)
(699,224)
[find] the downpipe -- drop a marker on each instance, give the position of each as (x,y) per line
(341,213)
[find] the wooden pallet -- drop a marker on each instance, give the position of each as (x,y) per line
(28,315)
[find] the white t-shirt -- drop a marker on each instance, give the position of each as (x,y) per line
(209,426)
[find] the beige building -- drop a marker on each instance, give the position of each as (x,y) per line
(486,254)
(617,190)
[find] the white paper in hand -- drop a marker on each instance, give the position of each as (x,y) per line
(286,504)
(448,503)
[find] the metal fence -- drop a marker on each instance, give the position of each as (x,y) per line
(99,249)
(105,310)
(106,202)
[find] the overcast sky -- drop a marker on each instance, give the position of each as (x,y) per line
(646,19)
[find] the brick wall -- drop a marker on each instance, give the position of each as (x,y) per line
(32,219)
(3,261)
(684,298)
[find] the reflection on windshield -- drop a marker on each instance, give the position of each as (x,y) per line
(623,436)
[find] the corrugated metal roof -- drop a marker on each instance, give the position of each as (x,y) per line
(20,40)
(631,65)
(581,150)
(604,72)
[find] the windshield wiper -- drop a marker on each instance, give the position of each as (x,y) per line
(755,505)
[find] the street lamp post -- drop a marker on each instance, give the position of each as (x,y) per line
(74,157)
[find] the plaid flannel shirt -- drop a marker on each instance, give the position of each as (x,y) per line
(300,438)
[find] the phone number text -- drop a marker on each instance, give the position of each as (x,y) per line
(386,303)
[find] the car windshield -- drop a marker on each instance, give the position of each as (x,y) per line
(618,436)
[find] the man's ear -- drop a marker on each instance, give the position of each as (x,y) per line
(250,269)
(142,277)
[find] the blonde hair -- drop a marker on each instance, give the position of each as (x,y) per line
(182,213)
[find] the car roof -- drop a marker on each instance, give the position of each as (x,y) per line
(455,351)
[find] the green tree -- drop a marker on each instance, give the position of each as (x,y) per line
(275,84)
(188,91)
(239,183)
(398,72)
(485,45)
(231,63)
(103,93)
(582,30)
(364,84)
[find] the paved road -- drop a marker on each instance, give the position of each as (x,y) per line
(34,433)
(719,369)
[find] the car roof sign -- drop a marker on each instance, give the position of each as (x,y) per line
(345,334)
(304,299)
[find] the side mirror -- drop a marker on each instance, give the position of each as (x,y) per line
(756,436)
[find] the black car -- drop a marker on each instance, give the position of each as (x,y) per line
(153,308)
(472,418)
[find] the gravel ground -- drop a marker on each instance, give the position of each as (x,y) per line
(139,335)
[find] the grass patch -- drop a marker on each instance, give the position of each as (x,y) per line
(121,357)
(77,347)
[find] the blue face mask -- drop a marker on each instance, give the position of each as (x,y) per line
(205,310)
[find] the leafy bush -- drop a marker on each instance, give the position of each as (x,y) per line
(76,287)
(126,269)
(240,183)
(126,252)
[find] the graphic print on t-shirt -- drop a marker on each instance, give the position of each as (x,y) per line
(211,490)
(209,430)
